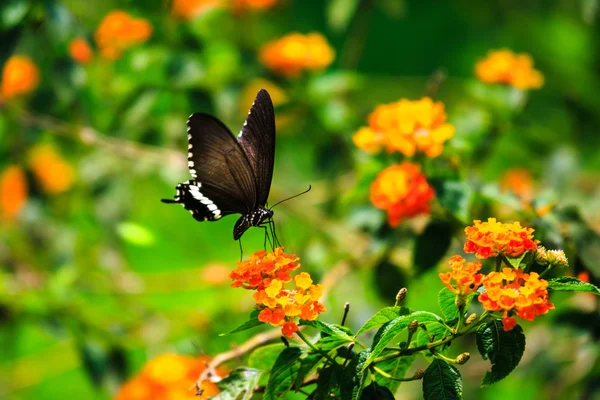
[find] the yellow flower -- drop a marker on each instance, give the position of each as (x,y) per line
(19,76)
(294,53)
(504,66)
(406,127)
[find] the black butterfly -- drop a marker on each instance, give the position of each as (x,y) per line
(231,176)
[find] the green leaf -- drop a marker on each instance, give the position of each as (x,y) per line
(135,234)
(329,343)
(330,329)
(504,349)
(432,245)
(251,323)
(376,392)
(436,330)
(264,357)
(393,328)
(442,381)
(456,197)
(381,317)
(516,261)
(241,381)
(353,377)
(284,374)
(447,303)
(395,367)
(308,365)
(327,382)
(340,13)
(12,12)
(571,284)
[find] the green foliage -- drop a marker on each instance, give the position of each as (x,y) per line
(503,349)
(570,284)
(238,385)
(442,381)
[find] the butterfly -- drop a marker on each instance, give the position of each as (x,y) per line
(231,176)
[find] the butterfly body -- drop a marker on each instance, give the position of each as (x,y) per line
(230,175)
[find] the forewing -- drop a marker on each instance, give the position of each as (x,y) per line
(219,165)
(257,138)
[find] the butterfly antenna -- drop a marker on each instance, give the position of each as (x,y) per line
(241,251)
(294,196)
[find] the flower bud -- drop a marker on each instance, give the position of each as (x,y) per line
(558,258)
(413,326)
(460,302)
(419,373)
(463,358)
(470,319)
(401,296)
(541,255)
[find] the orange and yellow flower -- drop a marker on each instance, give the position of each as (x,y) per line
(268,273)
(504,66)
(255,4)
(169,376)
(52,171)
(406,127)
(493,238)
(515,291)
(295,53)
(19,76)
(465,276)
(403,191)
(80,51)
(518,181)
(13,192)
(188,9)
(119,31)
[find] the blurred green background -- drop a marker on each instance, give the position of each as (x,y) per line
(98,279)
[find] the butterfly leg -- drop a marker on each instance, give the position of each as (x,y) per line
(275,239)
(241,250)
(266,237)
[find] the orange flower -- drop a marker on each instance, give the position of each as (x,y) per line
(257,4)
(19,76)
(519,181)
(492,238)
(465,276)
(80,51)
(119,31)
(406,127)
(188,9)
(402,190)
(13,192)
(294,53)
(514,291)
(52,171)
(504,66)
(268,273)
(169,376)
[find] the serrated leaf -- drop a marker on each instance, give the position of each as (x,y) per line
(434,329)
(284,374)
(516,261)
(571,284)
(432,245)
(308,366)
(381,317)
(330,329)
(376,392)
(329,343)
(353,377)
(239,385)
(327,382)
(263,358)
(504,349)
(251,323)
(442,381)
(447,303)
(393,328)
(395,367)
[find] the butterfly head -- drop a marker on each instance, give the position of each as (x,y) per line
(256,218)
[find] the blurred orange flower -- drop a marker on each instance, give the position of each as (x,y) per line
(403,191)
(493,238)
(519,181)
(52,171)
(13,192)
(514,290)
(257,4)
(169,376)
(406,127)
(504,66)
(465,276)
(80,51)
(119,31)
(268,273)
(294,53)
(188,9)
(19,76)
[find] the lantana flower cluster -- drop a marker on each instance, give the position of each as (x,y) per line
(170,376)
(406,127)
(512,291)
(20,75)
(268,273)
(493,238)
(119,31)
(295,53)
(504,66)
(403,191)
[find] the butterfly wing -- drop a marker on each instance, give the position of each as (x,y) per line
(257,138)
(221,171)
